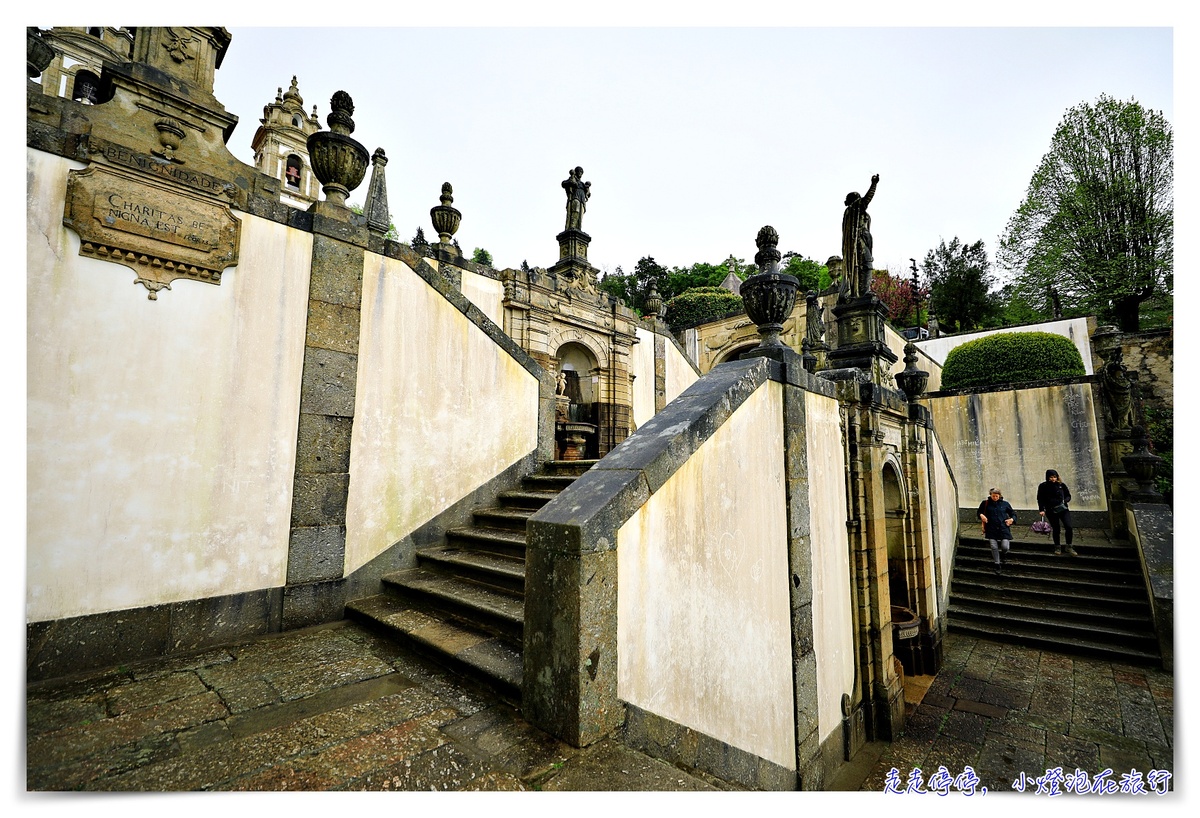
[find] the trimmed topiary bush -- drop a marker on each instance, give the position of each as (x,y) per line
(1011,357)
(701,304)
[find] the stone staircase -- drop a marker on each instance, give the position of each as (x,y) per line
(464,603)
(1094,604)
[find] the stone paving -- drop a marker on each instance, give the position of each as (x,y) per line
(330,708)
(1005,710)
(340,708)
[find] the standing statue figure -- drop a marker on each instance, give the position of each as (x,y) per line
(814,327)
(857,244)
(578,192)
(1116,387)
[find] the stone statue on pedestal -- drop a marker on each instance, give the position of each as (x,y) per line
(578,192)
(1116,387)
(857,244)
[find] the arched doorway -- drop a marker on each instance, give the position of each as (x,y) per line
(579,383)
(736,352)
(894,515)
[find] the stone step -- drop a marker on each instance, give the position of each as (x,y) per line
(571,467)
(494,569)
(1035,638)
(507,519)
(1066,582)
(549,482)
(492,540)
(1053,618)
(483,607)
(997,593)
(531,499)
(489,658)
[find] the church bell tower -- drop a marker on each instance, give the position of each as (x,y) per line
(281,147)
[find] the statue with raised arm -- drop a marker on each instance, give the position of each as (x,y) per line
(578,192)
(857,245)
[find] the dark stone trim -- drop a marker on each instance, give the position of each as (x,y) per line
(692,750)
(58,648)
(63,647)
(1153,528)
(1008,387)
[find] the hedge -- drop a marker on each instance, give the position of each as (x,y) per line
(1011,357)
(701,304)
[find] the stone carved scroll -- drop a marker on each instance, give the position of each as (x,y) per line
(161,232)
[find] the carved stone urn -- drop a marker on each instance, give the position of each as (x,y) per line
(770,295)
(654,302)
(1142,466)
(38,54)
(338,160)
(911,380)
(446,219)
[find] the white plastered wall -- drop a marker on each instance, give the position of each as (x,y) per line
(703,609)
(161,434)
(485,293)
(944,493)
(679,373)
(1009,438)
(641,361)
(833,625)
(440,409)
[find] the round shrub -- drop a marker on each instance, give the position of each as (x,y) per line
(1011,357)
(701,304)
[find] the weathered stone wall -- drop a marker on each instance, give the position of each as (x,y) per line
(1007,438)
(703,590)
(440,410)
(833,626)
(641,362)
(680,372)
(485,293)
(161,434)
(945,494)
(1152,355)
(1079,330)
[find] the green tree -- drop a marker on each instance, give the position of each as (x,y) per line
(481,256)
(960,280)
(1096,226)
(418,239)
(812,274)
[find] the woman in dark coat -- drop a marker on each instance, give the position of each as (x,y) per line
(997,515)
(1053,497)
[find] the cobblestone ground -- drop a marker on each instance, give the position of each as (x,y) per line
(1006,710)
(339,708)
(333,708)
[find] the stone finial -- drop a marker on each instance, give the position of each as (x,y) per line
(338,160)
(293,93)
(768,255)
(770,295)
(38,53)
(654,301)
(911,380)
(446,218)
(376,207)
(1143,466)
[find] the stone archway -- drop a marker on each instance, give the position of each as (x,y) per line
(895,511)
(577,416)
(736,352)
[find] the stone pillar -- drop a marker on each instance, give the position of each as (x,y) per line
(315,590)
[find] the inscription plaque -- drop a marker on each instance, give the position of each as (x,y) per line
(159,230)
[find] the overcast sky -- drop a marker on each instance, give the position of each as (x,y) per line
(693,138)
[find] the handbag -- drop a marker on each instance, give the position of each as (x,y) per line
(1061,508)
(1040,527)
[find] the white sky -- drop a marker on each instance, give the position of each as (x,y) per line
(693,138)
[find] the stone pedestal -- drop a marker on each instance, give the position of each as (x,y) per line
(860,338)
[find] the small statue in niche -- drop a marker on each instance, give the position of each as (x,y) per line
(562,382)
(814,327)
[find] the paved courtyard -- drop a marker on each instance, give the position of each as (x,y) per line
(339,708)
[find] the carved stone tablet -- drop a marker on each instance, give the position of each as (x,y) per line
(160,231)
